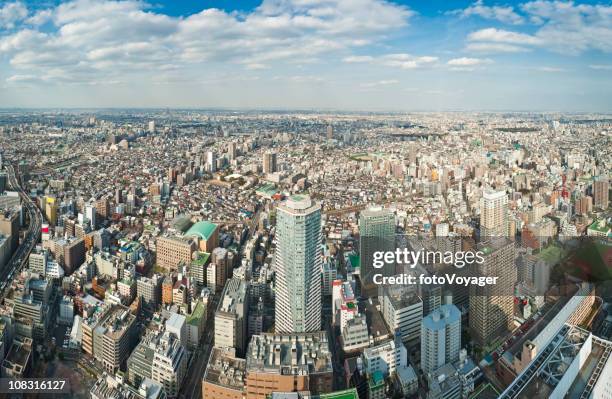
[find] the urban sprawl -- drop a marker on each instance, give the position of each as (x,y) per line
(158,254)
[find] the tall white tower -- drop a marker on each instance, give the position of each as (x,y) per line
(297,262)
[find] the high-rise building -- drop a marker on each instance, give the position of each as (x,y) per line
(113,337)
(330,132)
(231,316)
(9,226)
(151,126)
(494,214)
(601,193)
(211,161)
(90,213)
(440,338)
(169,364)
(297,262)
(269,162)
(51,210)
(231,150)
(492,306)
(103,207)
(376,233)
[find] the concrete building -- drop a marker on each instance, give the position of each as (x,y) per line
(601,193)
(149,289)
(376,233)
(385,357)
(169,363)
(37,261)
(18,360)
(5,250)
(297,262)
(9,226)
(344,303)
(288,363)
(225,375)
(494,214)
(219,269)
(177,325)
(198,266)
(231,316)
(402,310)
(269,162)
(140,362)
(172,251)
(492,306)
(440,338)
(355,335)
(66,311)
(113,337)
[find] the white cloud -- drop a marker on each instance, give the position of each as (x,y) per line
(469,62)
(395,60)
(503,36)
(562,27)
(549,69)
(506,15)
(379,83)
(354,59)
(107,39)
(601,67)
(11,14)
(490,48)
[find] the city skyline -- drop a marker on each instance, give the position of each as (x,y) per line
(366,55)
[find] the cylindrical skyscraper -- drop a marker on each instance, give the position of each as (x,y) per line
(297,263)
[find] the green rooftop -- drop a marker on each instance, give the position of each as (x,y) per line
(377,379)
(600,226)
(196,315)
(267,189)
(201,259)
(355,261)
(204,230)
(346,394)
(551,254)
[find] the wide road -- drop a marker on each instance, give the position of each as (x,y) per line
(20,257)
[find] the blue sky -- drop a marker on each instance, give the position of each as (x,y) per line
(334,54)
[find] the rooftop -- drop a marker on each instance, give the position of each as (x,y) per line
(203,230)
(225,369)
(289,353)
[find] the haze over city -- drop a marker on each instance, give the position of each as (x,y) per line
(346,55)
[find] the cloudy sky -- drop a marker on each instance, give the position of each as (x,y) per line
(334,54)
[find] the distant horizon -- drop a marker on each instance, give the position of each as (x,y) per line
(379,55)
(308,110)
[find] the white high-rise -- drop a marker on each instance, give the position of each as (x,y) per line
(297,262)
(211,161)
(494,214)
(440,338)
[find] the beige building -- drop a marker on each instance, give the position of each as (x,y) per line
(171,251)
(108,336)
(494,214)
